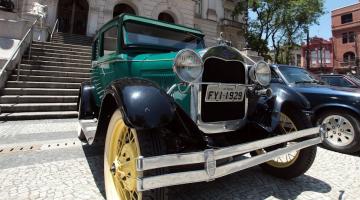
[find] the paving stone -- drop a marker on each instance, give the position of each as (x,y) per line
(73,173)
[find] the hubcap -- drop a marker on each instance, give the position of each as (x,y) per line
(287,126)
(339,129)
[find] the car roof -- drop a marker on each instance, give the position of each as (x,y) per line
(146,20)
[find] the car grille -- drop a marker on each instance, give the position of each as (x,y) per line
(220,71)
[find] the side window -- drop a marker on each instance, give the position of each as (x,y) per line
(95,50)
(110,41)
(338,81)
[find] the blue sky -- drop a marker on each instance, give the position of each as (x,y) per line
(324,28)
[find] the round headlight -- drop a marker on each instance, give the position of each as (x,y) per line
(188,65)
(261,73)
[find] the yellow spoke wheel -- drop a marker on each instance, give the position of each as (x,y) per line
(121,150)
(287,126)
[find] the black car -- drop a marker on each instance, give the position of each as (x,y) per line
(341,80)
(336,107)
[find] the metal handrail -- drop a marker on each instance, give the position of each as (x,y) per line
(29,32)
(56,26)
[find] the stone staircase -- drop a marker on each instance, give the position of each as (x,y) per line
(49,82)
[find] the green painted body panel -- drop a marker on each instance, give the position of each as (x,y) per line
(156,67)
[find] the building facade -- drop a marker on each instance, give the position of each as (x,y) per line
(346,32)
(320,54)
(87,16)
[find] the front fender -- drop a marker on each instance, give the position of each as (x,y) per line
(288,98)
(267,114)
(144,104)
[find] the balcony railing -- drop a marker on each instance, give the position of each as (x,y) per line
(232,23)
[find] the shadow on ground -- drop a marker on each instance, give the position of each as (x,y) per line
(95,158)
(252,183)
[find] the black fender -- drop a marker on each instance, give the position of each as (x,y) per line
(86,104)
(287,98)
(327,106)
(267,111)
(145,106)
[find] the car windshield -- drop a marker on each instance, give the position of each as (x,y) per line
(295,75)
(137,34)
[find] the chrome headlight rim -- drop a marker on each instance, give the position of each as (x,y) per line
(255,76)
(176,69)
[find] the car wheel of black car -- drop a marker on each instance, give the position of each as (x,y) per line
(80,133)
(122,146)
(294,163)
(342,130)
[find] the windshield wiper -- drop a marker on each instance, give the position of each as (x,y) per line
(297,82)
(313,81)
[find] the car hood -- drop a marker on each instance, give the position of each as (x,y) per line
(326,89)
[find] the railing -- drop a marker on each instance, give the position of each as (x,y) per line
(55,27)
(28,33)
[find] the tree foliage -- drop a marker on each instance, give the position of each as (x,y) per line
(280,23)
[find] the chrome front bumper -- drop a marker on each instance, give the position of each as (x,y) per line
(210,156)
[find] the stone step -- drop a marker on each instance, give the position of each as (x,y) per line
(71,38)
(56,36)
(69,42)
(35,72)
(59,46)
(64,54)
(38,115)
(69,35)
(59,59)
(76,46)
(38,107)
(38,50)
(37,99)
(53,63)
(72,41)
(40,91)
(54,68)
(48,79)
(29,84)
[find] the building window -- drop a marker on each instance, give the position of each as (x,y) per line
(313,57)
(348,37)
(123,8)
(198,8)
(298,59)
(351,37)
(346,18)
(349,57)
(327,57)
(166,17)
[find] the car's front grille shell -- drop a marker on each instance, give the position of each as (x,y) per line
(217,70)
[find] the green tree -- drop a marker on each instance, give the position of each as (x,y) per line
(278,22)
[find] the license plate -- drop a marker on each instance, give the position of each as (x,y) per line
(224,93)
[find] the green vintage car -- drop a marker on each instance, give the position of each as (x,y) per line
(171,111)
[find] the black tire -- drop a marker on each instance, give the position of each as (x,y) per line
(81,135)
(303,161)
(352,147)
(150,144)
